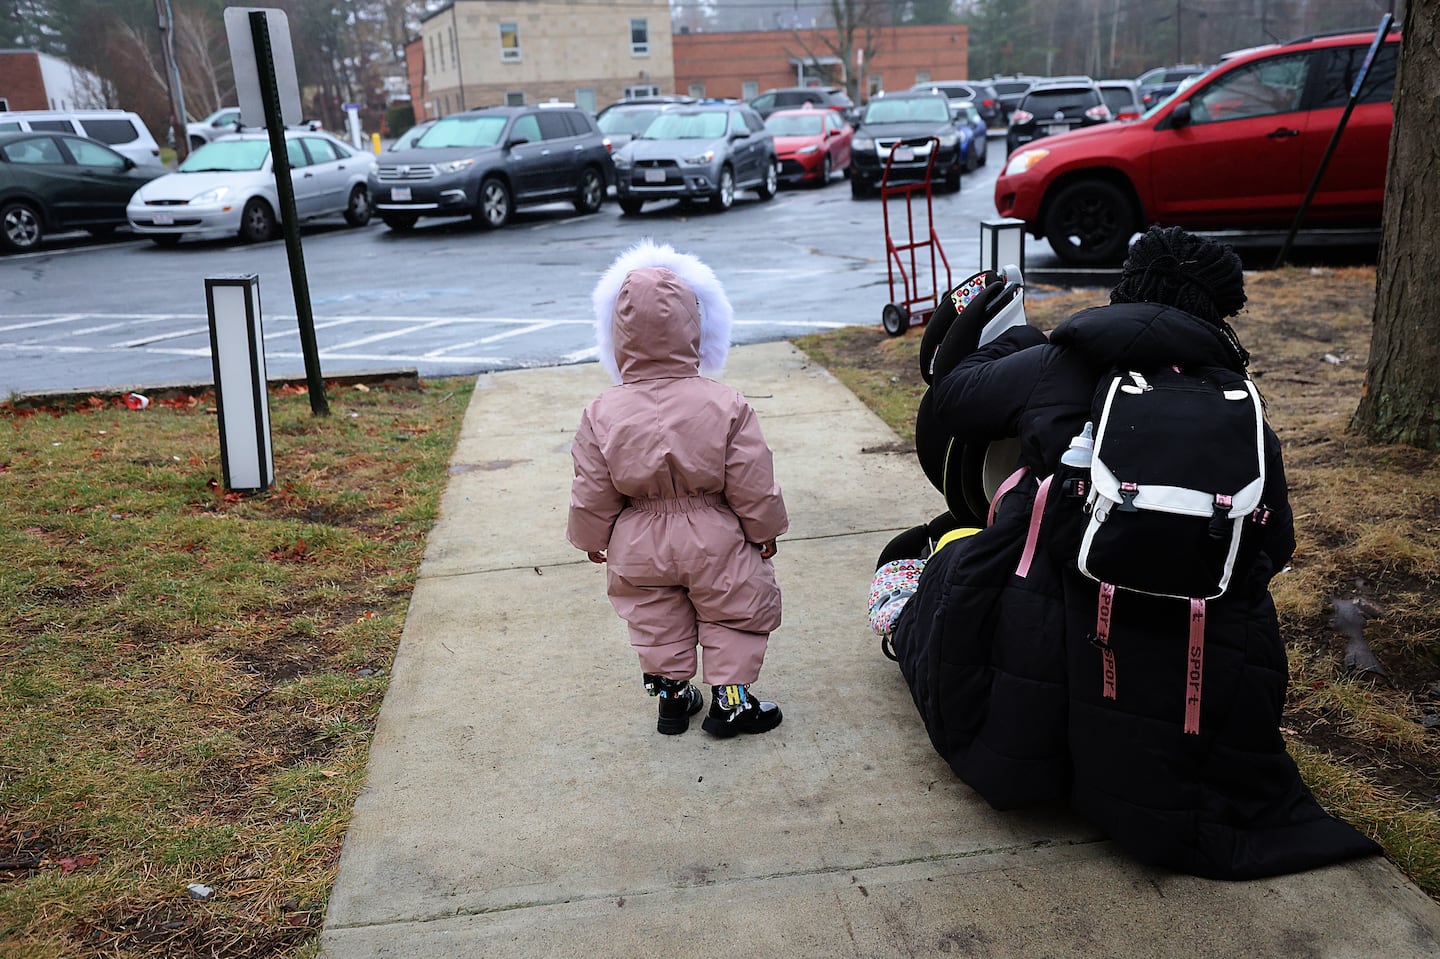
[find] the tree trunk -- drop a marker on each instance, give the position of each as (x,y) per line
(1400,402)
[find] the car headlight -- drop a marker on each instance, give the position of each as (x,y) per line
(948,140)
(216,195)
(806,151)
(454,166)
(862,143)
(1025,160)
(622,162)
(700,159)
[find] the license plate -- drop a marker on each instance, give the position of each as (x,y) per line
(904,154)
(1055,128)
(163,219)
(654,176)
(400,193)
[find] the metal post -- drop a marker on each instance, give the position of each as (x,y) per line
(1334,138)
(285,188)
(166,18)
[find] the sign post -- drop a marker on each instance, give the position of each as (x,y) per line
(255,35)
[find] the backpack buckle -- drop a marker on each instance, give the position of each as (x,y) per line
(1128,492)
(1077,486)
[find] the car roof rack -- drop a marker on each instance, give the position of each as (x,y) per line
(1394,28)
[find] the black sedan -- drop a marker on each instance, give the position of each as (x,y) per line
(898,132)
(54,182)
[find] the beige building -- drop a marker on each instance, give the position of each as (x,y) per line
(591,52)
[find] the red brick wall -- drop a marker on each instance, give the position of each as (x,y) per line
(415,74)
(724,61)
(21,83)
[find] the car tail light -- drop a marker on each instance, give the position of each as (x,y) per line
(1101,112)
(1021,116)
(1128,115)
(987,102)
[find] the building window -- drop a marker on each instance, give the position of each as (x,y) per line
(922,77)
(515,98)
(585,98)
(509,41)
(750,89)
(646,90)
(697,90)
(876,83)
(640,37)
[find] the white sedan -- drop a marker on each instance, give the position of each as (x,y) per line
(227,187)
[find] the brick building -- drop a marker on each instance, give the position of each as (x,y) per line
(745,64)
(30,80)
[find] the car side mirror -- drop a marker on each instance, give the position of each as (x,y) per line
(1180,115)
(740,135)
(129,163)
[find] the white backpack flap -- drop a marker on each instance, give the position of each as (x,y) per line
(1178,464)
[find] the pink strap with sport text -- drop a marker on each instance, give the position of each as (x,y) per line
(1195,666)
(1102,636)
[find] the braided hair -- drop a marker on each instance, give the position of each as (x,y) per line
(1171,266)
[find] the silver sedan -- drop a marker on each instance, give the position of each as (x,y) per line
(227,187)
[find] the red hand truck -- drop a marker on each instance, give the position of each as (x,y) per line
(913,308)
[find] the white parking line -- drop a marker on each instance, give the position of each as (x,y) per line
(519,331)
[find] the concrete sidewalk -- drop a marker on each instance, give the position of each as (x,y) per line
(520,803)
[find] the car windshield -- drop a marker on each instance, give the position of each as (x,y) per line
(632,122)
(1184,85)
(687,126)
(463,131)
(226,156)
(1048,102)
(918,109)
(794,124)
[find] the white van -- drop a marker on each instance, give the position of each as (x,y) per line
(122,131)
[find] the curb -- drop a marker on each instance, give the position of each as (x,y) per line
(403,378)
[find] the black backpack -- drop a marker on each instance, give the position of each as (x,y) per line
(1177,471)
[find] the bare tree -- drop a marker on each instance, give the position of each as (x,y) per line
(1400,402)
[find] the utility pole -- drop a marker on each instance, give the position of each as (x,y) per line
(166,18)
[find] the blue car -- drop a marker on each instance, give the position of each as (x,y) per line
(972,127)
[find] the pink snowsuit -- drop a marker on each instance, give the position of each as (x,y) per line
(674,480)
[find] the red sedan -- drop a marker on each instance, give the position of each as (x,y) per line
(811,144)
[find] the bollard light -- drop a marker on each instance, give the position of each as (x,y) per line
(1002,243)
(237,354)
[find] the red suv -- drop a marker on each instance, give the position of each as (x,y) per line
(1237,149)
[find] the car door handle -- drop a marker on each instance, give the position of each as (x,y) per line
(544,153)
(1282,133)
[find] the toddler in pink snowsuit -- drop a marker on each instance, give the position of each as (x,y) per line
(675,490)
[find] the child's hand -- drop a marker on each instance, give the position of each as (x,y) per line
(596,555)
(768,549)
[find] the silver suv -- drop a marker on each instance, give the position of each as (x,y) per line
(698,153)
(484,163)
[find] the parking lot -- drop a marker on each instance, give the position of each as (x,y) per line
(452,299)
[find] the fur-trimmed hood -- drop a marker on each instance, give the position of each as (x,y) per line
(660,313)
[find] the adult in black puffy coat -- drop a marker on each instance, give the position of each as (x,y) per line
(996,643)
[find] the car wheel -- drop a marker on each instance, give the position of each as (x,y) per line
(399,223)
(952,181)
(591,193)
(20,228)
(824,171)
(858,189)
(972,158)
(495,204)
(724,197)
(630,206)
(257,222)
(1090,223)
(772,181)
(985,155)
(357,208)
(166,239)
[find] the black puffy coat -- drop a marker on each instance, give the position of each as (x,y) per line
(1009,684)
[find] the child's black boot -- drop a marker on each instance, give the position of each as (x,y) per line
(733,710)
(678,702)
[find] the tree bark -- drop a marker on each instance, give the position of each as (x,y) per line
(1400,401)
